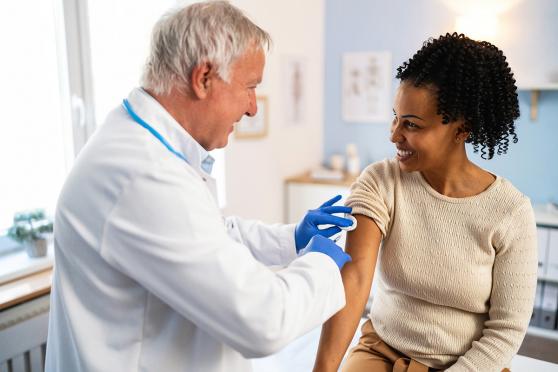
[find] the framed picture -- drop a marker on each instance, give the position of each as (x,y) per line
(255,126)
(293,89)
(366,87)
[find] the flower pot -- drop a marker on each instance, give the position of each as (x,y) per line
(36,248)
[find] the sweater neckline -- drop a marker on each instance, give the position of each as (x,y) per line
(464,199)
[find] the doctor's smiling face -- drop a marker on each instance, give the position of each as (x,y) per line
(423,142)
(226,102)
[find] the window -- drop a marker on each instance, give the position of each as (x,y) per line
(36,147)
(66,64)
(119,33)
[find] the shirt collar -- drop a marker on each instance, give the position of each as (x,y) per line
(207,163)
(154,114)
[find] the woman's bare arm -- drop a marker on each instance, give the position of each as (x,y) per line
(337,333)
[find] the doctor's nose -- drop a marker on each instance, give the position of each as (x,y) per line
(252,111)
(253,105)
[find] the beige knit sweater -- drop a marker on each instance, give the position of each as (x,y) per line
(457,276)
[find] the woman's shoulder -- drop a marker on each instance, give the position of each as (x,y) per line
(384,169)
(512,214)
(511,208)
(510,196)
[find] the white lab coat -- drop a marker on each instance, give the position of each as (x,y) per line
(149,276)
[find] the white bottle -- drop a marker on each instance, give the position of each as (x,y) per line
(336,162)
(353,161)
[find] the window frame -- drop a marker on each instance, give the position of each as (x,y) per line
(76,61)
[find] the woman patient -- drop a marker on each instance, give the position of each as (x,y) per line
(458,260)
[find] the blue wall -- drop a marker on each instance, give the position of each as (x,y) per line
(401,26)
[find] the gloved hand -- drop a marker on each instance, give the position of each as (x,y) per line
(323,245)
(308,227)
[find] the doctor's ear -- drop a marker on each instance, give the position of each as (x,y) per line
(201,79)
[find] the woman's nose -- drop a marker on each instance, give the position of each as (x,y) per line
(395,134)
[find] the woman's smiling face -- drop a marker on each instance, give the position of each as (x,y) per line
(423,142)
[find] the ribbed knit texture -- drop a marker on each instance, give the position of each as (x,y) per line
(457,276)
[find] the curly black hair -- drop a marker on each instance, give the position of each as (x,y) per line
(473,82)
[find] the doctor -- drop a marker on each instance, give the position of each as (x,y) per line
(148,274)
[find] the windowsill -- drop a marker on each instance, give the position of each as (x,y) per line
(25,289)
(18,264)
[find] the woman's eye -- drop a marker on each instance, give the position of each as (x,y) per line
(410,124)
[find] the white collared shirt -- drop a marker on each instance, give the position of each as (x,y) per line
(149,278)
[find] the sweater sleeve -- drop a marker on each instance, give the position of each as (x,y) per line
(514,279)
(372,193)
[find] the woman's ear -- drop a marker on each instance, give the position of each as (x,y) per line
(461,134)
(201,79)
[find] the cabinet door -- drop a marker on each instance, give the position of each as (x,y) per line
(543,234)
(304,196)
(552,255)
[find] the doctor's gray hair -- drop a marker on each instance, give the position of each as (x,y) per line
(214,32)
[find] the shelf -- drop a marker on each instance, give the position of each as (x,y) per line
(543,332)
(535,94)
(546,215)
(547,280)
(543,86)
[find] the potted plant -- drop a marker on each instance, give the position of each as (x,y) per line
(31,229)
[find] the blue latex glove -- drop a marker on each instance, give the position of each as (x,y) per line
(308,227)
(323,245)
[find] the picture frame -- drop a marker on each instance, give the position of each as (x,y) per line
(366,87)
(256,126)
(293,89)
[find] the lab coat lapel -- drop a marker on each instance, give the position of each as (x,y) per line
(212,185)
(150,110)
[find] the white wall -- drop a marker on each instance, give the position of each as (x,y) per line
(256,169)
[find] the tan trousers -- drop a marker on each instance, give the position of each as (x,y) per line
(373,355)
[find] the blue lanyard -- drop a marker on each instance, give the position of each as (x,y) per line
(151,130)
